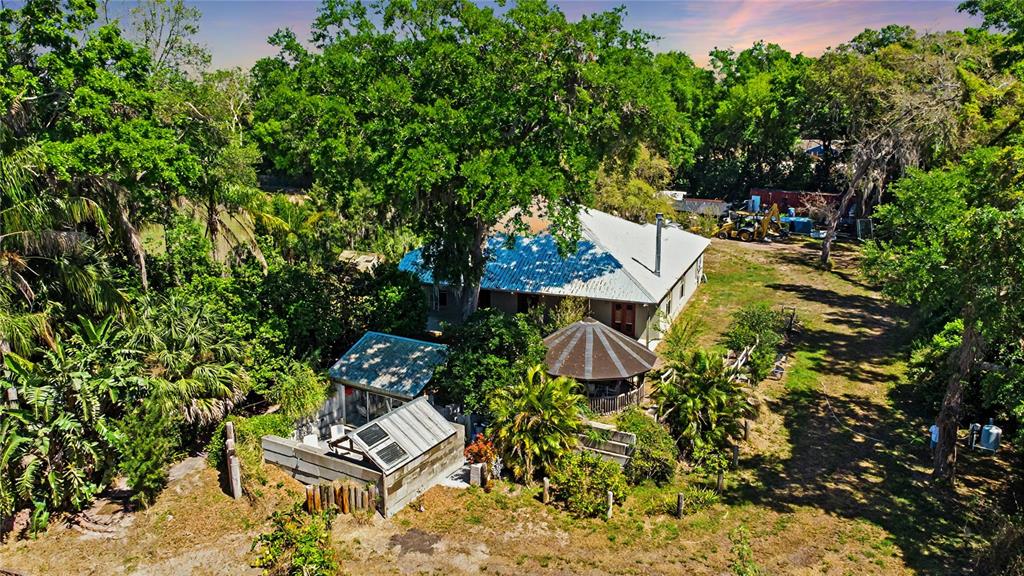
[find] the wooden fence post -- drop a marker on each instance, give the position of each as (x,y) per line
(746,429)
(611,502)
(547,490)
(345,505)
(234,468)
(735,455)
(309,499)
(680,502)
(721,480)
(12,398)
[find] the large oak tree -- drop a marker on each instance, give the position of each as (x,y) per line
(447,116)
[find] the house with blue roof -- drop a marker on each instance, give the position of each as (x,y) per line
(635,278)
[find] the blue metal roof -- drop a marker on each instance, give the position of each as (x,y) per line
(614,260)
(533,265)
(391,364)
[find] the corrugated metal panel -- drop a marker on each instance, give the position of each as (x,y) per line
(614,260)
(393,364)
(415,427)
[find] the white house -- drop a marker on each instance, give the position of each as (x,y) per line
(628,272)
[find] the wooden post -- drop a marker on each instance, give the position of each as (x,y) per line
(372,504)
(746,429)
(547,490)
(330,496)
(235,476)
(351,499)
(611,502)
(735,455)
(229,430)
(309,499)
(317,503)
(12,398)
(680,503)
(344,500)
(721,480)
(344,416)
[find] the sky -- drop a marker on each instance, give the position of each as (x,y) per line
(235,31)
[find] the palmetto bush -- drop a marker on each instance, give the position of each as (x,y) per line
(535,422)
(702,404)
(193,365)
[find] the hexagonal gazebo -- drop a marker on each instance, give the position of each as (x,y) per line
(608,363)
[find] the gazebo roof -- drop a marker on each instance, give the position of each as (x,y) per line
(589,350)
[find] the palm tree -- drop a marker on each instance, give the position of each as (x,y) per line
(535,421)
(194,367)
(702,403)
(43,248)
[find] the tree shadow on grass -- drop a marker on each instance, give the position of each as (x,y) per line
(860,458)
(846,472)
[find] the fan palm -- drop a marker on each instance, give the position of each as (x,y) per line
(535,421)
(193,366)
(42,248)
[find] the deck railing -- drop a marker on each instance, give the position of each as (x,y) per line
(609,404)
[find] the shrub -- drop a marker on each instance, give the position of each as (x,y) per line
(701,404)
(681,338)
(757,324)
(743,564)
(1003,553)
(248,445)
(481,451)
(487,352)
(299,544)
(299,391)
(582,481)
(148,443)
(654,457)
(567,311)
(535,422)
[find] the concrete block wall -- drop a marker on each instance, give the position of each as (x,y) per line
(311,465)
(417,476)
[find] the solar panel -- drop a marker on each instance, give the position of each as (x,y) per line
(391,453)
(372,435)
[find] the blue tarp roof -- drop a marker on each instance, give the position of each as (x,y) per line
(391,364)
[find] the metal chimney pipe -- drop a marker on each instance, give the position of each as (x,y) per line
(657,249)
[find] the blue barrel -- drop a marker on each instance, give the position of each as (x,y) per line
(755,203)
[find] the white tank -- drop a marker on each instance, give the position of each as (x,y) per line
(990,436)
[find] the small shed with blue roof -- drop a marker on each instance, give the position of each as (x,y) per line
(377,374)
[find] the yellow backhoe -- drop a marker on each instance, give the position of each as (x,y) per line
(752,227)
